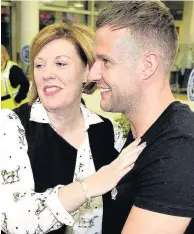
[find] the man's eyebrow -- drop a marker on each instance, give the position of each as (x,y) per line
(103,56)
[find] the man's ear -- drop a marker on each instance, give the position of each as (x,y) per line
(150,65)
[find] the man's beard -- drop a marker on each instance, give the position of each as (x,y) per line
(122,103)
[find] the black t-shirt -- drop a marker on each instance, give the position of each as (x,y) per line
(163,177)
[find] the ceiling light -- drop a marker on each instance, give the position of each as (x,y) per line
(78,5)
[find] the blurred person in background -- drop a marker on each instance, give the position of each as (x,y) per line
(14,83)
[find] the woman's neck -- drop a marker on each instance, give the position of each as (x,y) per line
(69,124)
(65,120)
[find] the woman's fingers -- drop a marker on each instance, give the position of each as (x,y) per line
(127,162)
(133,151)
(129,148)
(129,157)
(126,170)
(132,145)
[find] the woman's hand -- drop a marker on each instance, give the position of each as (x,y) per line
(107,177)
(72,196)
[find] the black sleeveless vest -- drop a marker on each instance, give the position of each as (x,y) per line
(54,164)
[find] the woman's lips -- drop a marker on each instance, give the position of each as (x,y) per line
(51,90)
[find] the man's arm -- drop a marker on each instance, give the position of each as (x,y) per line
(142,221)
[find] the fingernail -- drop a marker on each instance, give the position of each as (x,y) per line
(143,145)
(138,139)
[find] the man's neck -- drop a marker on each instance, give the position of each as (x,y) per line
(149,111)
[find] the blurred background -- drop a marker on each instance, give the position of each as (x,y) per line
(21,20)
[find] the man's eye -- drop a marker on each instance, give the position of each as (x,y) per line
(105,61)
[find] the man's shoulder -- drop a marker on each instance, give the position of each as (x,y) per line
(181,109)
(173,136)
(178,123)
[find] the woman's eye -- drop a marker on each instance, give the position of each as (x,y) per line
(60,64)
(38,66)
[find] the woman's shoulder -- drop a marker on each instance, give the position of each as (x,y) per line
(23,111)
(24,108)
(8,121)
(6,115)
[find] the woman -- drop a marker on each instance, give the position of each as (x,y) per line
(67,143)
(14,84)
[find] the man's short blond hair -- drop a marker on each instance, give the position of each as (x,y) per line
(149,22)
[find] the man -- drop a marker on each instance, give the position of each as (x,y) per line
(135,46)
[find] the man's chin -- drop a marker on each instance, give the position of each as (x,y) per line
(105,107)
(110,108)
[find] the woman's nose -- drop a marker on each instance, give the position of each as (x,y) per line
(49,75)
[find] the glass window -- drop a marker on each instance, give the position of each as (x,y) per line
(46,18)
(6,28)
(100,5)
(50,17)
(176,8)
(78,5)
(74,18)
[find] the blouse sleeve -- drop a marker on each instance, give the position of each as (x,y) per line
(23,210)
(119,140)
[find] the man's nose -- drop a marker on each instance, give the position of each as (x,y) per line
(94,74)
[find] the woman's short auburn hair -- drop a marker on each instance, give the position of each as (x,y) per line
(81,36)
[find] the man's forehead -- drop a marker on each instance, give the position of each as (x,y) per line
(119,38)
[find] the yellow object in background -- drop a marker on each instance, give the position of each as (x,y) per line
(11,104)
(184,99)
(8,93)
(14,83)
